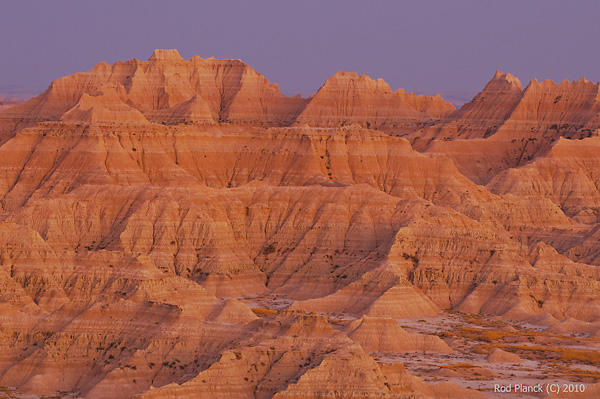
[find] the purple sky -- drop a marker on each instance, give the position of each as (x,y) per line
(451,47)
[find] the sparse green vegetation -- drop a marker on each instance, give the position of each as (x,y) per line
(269,249)
(413,258)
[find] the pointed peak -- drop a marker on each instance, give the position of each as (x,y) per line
(167,55)
(583,80)
(549,82)
(345,74)
(533,84)
(353,75)
(546,84)
(364,81)
(499,75)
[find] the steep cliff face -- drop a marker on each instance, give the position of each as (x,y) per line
(167,229)
(481,117)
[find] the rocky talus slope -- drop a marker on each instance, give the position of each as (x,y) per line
(175,228)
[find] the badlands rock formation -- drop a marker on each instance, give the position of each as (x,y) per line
(347,98)
(175,228)
(505,126)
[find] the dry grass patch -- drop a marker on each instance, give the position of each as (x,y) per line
(6,393)
(580,374)
(587,357)
(457,366)
(262,312)
(485,335)
(475,334)
(478,320)
(483,349)
(563,354)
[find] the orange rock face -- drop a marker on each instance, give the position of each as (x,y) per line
(347,98)
(505,126)
(177,228)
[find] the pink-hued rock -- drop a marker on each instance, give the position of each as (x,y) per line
(180,228)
